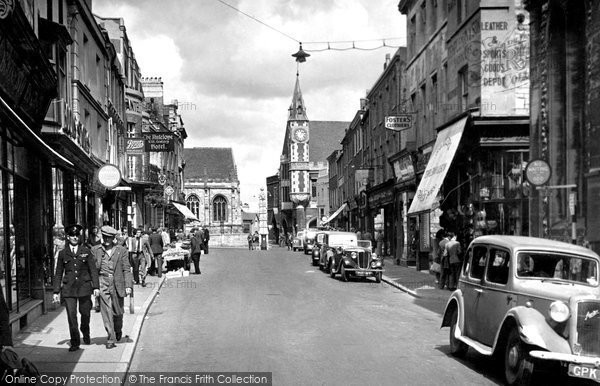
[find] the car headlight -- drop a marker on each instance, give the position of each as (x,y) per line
(374,256)
(340,249)
(559,311)
(354,255)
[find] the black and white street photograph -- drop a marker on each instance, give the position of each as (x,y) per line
(299,192)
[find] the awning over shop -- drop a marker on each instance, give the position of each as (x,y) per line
(185,211)
(335,214)
(442,154)
(53,156)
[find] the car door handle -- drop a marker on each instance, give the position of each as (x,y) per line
(479,290)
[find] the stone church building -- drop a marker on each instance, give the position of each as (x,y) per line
(212,192)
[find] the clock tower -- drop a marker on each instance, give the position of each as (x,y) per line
(297,135)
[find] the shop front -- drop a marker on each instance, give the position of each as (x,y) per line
(404,188)
(381,200)
(26,168)
(473,184)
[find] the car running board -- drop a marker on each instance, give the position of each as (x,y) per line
(480,348)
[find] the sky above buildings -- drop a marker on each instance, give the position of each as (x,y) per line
(233,77)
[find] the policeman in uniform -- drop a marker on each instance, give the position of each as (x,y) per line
(116,281)
(76,271)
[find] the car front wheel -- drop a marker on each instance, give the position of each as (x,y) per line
(343,272)
(457,347)
(331,269)
(378,277)
(518,365)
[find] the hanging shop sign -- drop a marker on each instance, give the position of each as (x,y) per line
(162,179)
(135,146)
(159,142)
(538,172)
(109,176)
(169,190)
(398,122)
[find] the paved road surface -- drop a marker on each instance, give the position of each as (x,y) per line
(272,311)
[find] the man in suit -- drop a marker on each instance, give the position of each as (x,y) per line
(116,281)
(76,271)
(137,246)
(196,248)
(454,258)
(205,238)
(157,245)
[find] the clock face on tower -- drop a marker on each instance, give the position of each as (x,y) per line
(300,135)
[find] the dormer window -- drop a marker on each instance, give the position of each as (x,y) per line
(299,109)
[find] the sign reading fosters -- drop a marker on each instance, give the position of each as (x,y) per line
(159,142)
(398,122)
(135,146)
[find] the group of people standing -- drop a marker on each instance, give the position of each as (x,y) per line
(198,247)
(106,266)
(449,258)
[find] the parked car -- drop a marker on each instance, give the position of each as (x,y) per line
(316,250)
(309,240)
(530,302)
(298,242)
(340,253)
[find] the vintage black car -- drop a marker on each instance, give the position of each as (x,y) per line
(532,303)
(340,253)
(309,240)
(316,249)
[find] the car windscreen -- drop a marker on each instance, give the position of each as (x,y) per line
(342,240)
(556,266)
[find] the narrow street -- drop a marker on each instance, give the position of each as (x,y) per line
(272,311)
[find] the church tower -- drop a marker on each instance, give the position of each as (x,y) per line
(298,133)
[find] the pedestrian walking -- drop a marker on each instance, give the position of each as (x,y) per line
(444,263)
(454,251)
(255,240)
(137,257)
(290,240)
(77,273)
(116,282)
(205,240)
(196,249)
(157,245)
(165,236)
(93,237)
(250,242)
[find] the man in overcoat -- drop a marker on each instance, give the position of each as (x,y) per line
(196,248)
(76,278)
(157,245)
(116,281)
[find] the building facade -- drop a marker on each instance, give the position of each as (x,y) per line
(467,80)
(303,158)
(564,124)
(212,194)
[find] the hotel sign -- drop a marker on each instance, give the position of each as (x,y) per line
(159,142)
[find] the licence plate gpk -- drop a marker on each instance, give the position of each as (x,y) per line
(586,372)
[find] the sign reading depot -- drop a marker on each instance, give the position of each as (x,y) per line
(109,176)
(159,142)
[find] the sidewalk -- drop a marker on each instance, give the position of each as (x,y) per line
(46,340)
(419,284)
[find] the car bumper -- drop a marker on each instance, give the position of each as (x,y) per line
(364,271)
(570,358)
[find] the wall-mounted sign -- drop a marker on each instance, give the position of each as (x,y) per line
(162,179)
(135,146)
(169,190)
(159,142)
(399,122)
(538,172)
(109,176)
(404,169)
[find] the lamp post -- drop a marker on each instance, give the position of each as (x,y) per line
(262,219)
